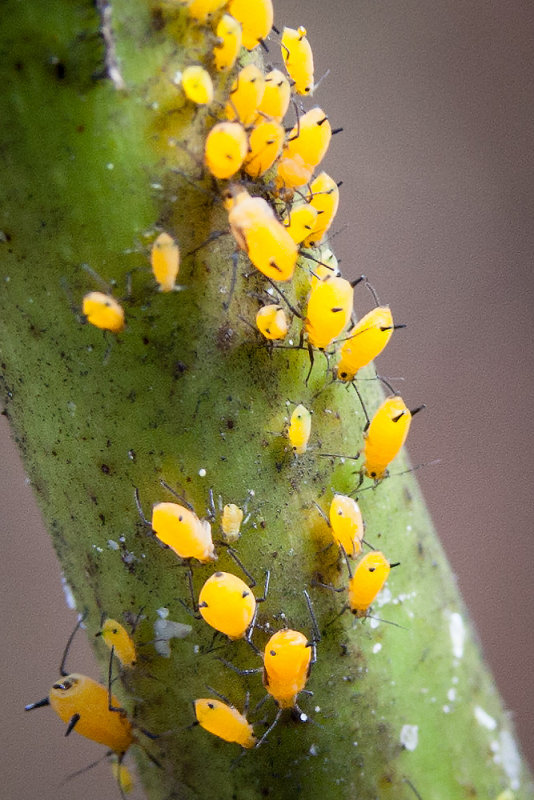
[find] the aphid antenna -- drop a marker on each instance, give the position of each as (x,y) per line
(176,494)
(219,695)
(386,621)
(62,671)
(107,287)
(81,771)
(322,513)
(329,586)
(387,384)
(284,298)
(233,555)
(339,455)
(316,85)
(139,508)
(347,562)
(412,787)
(211,238)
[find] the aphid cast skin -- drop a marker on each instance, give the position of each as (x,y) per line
(117,637)
(366,341)
(272,322)
(165,262)
(180,529)
(255,17)
(299,429)
(103,311)
(227,604)
(225,149)
(298,59)
(232,517)
(224,721)
(225,52)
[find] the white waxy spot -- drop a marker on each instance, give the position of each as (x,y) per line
(167,629)
(112,544)
(313,751)
(177,78)
(484,719)
(163,612)
(457,633)
(303,717)
(511,760)
(317,709)
(451,695)
(377,647)
(67,591)
(373,622)
(202,473)
(446,709)
(409,736)
(71,408)
(384,597)
(110,166)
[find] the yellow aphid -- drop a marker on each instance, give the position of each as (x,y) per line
(246,95)
(117,637)
(298,58)
(329,309)
(182,531)
(366,341)
(225,52)
(263,237)
(272,322)
(292,172)
(227,604)
(324,196)
(265,145)
(301,221)
(286,660)
(385,436)
(225,722)
(225,149)
(346,523)
(232,517)
(123,776)
(197,85)
(299,429)
(83,704)
(276,96)
(165,261)
(369,577)
(256,17)
(202,9)
(103,311)
(310,138)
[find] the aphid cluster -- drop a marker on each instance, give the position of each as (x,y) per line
(280,207)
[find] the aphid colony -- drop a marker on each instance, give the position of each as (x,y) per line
(248,142)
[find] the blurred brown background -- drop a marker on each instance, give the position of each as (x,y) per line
(436,99)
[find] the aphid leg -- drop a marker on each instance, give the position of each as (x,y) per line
(219,695)
(238,670)
(322,513)
(39,704)
(111,707)
(284,298)
(361,403)
(235,260)
(329,586)
(270,728)
(265,587)
(316,635)
(310,353)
